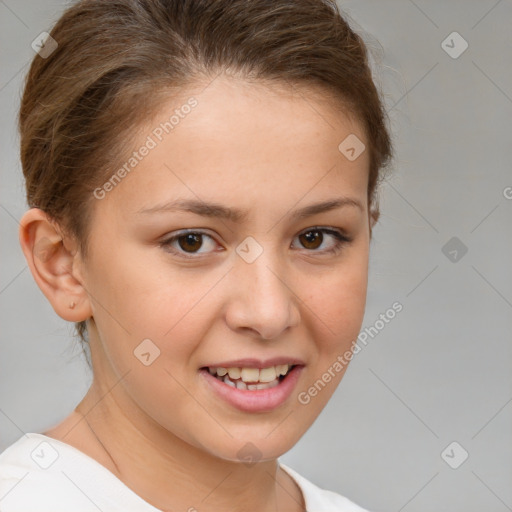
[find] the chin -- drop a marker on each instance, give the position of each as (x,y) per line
(251,445)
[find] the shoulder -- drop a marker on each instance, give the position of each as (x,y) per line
(27,481)
(321,500)
(38,473)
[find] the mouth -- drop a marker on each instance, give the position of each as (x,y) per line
(251,379)
(253,389)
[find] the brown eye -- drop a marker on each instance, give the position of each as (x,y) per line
(190,242)
(311,239)
(315,237)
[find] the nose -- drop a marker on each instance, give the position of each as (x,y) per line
(261,297)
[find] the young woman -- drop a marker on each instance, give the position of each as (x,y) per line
(202,179)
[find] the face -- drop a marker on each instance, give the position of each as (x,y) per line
(244,276)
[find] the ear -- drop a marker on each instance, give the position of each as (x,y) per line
(373,218)
(55,264)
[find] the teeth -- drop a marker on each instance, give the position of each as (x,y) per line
(251,378)
(240,384)
(267,374)
(250,374)
(263,385)
(282,369)
(234,373)
(229,382)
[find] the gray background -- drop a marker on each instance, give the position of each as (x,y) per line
(440,371)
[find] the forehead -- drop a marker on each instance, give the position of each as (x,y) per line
(244,143)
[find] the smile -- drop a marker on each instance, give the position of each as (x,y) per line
(251,379)
(251,389)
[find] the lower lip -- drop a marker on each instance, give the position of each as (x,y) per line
(259,400)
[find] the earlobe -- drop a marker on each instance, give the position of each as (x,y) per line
(52,260)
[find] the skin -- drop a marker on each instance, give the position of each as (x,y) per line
(241,146)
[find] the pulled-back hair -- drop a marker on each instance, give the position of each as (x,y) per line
(117,61)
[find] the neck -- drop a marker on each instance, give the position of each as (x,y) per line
(171,474)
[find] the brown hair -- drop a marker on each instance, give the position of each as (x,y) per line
(116,59)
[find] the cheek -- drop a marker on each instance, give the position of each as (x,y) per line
(336,314)
(141,298)
(337,304)
(138,291)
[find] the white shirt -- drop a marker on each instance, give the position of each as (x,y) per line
(41,474)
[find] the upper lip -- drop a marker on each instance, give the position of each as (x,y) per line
(256,363)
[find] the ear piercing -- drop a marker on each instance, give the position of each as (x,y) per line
(72,305)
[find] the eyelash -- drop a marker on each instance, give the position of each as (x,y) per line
(340,242)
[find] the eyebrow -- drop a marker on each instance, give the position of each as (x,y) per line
(238,215)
